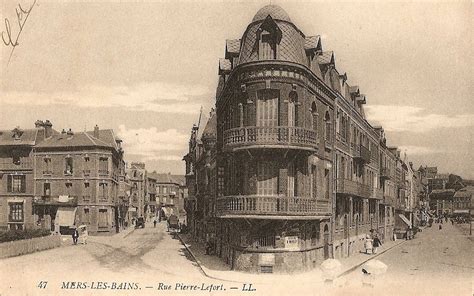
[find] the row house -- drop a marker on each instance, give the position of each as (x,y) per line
(202,180)
(292,173)
(139,198)
(16,175)
(77,181)
(171,193)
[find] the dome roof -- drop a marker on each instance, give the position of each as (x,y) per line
(275,11)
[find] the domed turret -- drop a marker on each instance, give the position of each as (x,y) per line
(275,11)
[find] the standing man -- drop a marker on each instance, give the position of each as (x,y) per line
(75,236)
(154,222)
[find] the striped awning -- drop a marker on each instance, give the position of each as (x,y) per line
(66,216)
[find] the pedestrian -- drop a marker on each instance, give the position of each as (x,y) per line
(154,223)
(440,227)
(452,221)
(377,243)
(75,236)
(85,236)
(368,244)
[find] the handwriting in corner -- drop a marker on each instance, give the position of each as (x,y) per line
(22,16)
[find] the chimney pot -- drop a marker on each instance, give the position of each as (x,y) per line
(48,128)
(96,131)
(63,131)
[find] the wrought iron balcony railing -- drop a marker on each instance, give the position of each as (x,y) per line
(272,206)
(345,186)
(271,135)
(56,200)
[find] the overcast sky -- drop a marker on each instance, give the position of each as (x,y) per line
(144,69)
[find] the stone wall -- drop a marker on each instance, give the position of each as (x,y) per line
(22,247)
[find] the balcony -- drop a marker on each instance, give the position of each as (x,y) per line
(65,201)
(385,173)
(352,188)
(361,153)
(377,194)
(275,137)
(7,164)
(103,172)
(271,207)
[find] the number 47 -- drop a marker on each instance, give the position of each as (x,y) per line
(42,284)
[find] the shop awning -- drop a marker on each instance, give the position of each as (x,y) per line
(461,211)
(404,219)
(66,216)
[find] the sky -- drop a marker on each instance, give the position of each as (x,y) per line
(145,69)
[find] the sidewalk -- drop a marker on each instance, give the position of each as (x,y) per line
(66,240)
(215,268)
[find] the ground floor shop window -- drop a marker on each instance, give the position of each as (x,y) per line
(16,215)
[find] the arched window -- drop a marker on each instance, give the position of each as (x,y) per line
(327,130)
(314,116)
(293,109)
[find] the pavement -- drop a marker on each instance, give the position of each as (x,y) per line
(215,268)
(151,261)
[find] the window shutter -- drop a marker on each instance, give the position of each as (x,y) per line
(9,183)
(23,184)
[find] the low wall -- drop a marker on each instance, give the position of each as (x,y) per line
(26,246)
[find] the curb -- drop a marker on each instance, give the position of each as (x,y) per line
(130,232)
(199,263)
(351,269)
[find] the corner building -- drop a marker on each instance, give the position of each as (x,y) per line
(275,145)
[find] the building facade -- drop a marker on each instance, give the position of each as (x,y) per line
(77,181)
(17,175)
(288,171)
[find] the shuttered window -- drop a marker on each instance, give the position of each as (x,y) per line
(16,183)
(267,108)
(267,179)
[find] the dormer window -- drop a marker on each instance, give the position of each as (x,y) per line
(268,37)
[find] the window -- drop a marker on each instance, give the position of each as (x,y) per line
(314,182)
(16,183)
(220,181)
(315,234)
(86,159)
(16,212)
(47,165)
(87,216)
(292,180)
(267,50)
(103,165)
(68,188)
(103,218)
(47,189)
(327,131)
(103,191)
(267,107)
(267,179)
(293,109)
(69,166)
(327,184)
(165,190)
(314,116)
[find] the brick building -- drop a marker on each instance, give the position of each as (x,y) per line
(288,171)
(77,180)
(17,174)
(137,175)
(171,193)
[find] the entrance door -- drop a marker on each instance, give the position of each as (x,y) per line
(326,242)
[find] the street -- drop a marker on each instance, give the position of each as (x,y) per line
(150,262)
(147,256)
(436,262)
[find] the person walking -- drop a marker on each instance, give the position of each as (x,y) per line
(85,236)
(377,243)
(75,236)
(368,244)
(154,223)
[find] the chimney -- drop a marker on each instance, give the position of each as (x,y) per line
(48,128)
(39,123)
(70,133)
(63,131)
(96,131)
